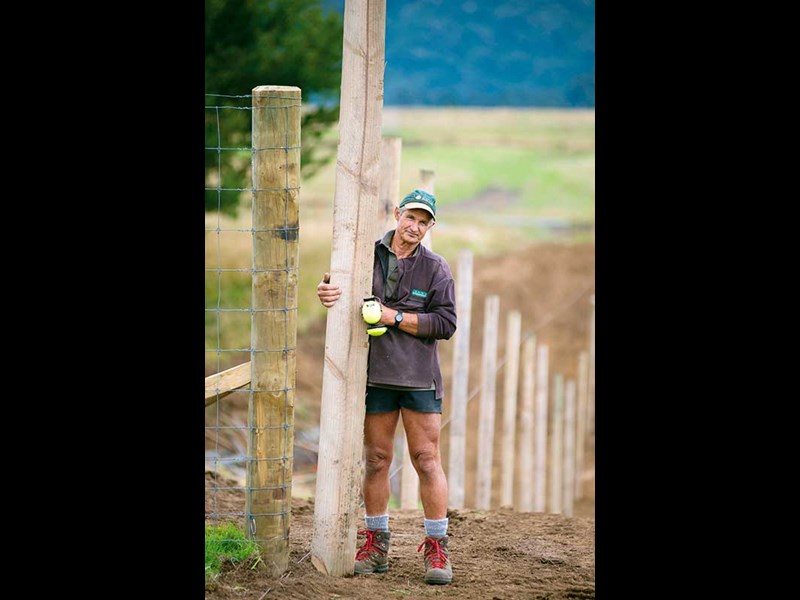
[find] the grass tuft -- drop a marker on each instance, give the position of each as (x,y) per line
(226,543)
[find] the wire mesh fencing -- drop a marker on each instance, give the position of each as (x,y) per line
(252,151)
(228,275)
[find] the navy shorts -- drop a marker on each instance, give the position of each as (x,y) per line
(382,400)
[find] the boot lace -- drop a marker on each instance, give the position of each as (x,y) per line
(434,553)
(369,545)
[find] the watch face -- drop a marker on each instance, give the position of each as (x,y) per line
(398,317)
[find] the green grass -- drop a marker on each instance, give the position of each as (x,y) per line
(547,184)
(226,543)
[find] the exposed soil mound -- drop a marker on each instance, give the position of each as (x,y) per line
(495,554)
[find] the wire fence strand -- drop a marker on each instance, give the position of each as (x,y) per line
(225,455)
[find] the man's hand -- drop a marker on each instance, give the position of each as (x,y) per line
(327,292)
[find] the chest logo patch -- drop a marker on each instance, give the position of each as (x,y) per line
(419,293)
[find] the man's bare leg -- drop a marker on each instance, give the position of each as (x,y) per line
(378,449)
(422,433)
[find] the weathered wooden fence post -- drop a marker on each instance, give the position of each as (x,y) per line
(428,180)
(556,458)
(458,424)
(510,383)
(389,191)
(428,184)
(580,413)
(355,210)
(540,428)
(568,463)
(483,488)
(526,450)
(591,403)
(270,440)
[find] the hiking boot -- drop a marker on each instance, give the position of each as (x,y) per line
(437,560)
(372,556)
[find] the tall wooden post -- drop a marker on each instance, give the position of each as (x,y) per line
(580,417)
(491,314)
(510,381)
(458,414)
(428,180)
(355,209)
(556,459)
(270,440)
(525,503)
(568,462)
(591,404)
(389,191)
(428,184)
(540,429)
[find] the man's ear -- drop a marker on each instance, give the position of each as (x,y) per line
(396,213)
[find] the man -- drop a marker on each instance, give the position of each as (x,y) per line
(416,291)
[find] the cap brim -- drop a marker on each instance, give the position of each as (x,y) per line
(421,205)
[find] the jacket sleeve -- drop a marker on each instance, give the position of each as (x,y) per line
(439,319)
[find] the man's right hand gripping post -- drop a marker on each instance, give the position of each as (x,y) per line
(327,292)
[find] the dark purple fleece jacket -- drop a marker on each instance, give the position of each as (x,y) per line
(425,287)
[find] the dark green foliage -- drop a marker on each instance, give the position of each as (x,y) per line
(266,42)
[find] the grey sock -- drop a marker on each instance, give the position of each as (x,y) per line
(436,526)
(380,522)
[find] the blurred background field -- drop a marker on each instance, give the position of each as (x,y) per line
(505,178)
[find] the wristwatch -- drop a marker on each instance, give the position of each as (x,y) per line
(398,318)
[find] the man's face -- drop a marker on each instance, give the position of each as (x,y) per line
(413,224)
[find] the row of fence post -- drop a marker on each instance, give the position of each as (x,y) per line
(541,470)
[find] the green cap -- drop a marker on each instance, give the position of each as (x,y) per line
(420,199)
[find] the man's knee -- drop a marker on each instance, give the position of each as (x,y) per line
(426,460)
(377,461)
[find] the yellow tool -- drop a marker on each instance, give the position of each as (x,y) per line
(371,313)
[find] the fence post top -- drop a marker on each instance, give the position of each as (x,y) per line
(263,89)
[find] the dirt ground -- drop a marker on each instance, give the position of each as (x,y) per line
(496,554)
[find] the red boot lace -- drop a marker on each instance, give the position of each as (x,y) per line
(435,554)
(369,545)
